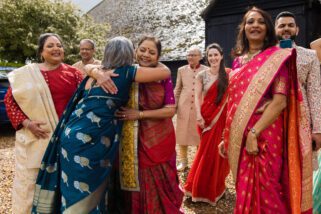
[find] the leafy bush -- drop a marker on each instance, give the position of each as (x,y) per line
(22,21)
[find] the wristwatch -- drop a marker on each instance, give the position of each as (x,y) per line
(253,131)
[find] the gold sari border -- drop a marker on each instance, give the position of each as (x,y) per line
(87,204)
(128,151)
(44,200)
(248,103)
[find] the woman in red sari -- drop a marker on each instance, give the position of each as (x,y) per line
(36,99)
(206,179)
(267,133)
(159,190)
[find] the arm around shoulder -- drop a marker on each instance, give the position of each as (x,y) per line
(91,70)
(150,74)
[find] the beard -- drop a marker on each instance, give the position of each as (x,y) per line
(292,37)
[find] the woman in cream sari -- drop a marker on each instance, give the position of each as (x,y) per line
(36,100)
(267,133)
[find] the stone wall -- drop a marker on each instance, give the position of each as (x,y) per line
(176,22)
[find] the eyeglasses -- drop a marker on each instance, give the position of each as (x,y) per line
(192,55)
(86,49)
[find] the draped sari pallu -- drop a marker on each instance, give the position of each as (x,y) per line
(30,89)
(247,89)
(209,110)
(206,179)
(158,179)
(157,137)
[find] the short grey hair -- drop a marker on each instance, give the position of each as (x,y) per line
(195,48)
(119,52)
(90,41)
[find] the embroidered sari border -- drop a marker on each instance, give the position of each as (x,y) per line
(128,151)
(44,200)
(87,204)
(249,102)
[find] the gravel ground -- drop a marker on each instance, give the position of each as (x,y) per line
(225,205)
(6,168)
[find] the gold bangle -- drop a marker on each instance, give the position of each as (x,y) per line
(141,115)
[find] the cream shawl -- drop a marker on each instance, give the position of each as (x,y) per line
(33,96)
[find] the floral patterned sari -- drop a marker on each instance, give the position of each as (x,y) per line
(279,178)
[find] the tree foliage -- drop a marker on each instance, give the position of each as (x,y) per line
(22,21)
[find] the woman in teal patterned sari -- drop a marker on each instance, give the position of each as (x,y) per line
(75,169)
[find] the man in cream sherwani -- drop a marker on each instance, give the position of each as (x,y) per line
(186,131)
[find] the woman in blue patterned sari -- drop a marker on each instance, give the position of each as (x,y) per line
(75,169)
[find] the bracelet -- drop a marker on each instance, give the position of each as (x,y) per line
(141,115)
(253,131)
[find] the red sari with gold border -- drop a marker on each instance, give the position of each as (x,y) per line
(206,179)
(279,178)
(159,184)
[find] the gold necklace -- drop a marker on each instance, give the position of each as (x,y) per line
(249,56)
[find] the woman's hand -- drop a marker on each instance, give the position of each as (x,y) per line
(200,122)
(34,127)
(127,114)
(251,144)
(104,80)
(221,150)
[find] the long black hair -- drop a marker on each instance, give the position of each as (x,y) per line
(242,44)
(222,75)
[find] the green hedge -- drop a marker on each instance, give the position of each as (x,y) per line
(10,64)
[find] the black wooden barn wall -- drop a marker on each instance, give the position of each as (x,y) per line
(223,18)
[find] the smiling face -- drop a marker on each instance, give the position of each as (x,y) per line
(286,28)
(214,57)
(194,57)
(86,51)
(147,54)
(53,51)
(255,27)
